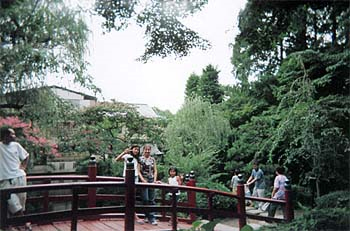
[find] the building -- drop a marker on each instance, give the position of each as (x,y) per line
(78,99)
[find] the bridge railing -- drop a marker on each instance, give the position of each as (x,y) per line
(85,190)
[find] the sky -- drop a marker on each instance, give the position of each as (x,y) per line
(160,82)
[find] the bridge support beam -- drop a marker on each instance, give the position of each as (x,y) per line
(242,220)
(191,195)
(92,172)
(129,221)
(289,211)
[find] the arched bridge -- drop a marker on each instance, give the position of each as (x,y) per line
(77,198)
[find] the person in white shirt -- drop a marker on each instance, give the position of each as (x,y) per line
(278,191)
(174,180)
(234,181)
(132,152)
(13,163)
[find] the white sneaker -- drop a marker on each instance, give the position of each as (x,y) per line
(154,222)
(145,220)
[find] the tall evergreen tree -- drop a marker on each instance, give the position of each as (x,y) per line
(192,86)
(209,86)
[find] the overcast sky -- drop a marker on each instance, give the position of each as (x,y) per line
(161,82)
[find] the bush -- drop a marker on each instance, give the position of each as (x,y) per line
(337,199)
(219,202)
(317,219)
(331,213)
(302,196)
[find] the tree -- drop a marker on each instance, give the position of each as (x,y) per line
(37,38)
(117,124)
(198,132)
(313,131)
(192,86)
(271,30)
(165,33)
(206,86)
(295,112)
(40,106)
(209,85)
(31,139)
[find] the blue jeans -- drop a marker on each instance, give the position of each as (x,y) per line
(148,198)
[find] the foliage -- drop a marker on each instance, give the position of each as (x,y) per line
(247,228)
(205,86)
(197,132)
(105,167)
(30,138)
(312,126)
(209,87)
(219,202)
(166,115)
(201,226)
(192,86)
(337,199)
(271,30)
(165,33)
(38,38)
(108,128)
(295,111)
(43,108)
(299,121)
(318,219)
(197,126)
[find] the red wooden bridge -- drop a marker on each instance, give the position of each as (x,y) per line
(87,208)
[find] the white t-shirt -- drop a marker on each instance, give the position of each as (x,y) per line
(11,156)
(134,161)
(173,181)
(279,182)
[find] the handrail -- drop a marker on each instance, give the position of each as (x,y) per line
(114,182)
(72,177)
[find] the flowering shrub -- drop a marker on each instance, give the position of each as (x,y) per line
(30,139)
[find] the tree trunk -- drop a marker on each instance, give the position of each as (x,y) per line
(318,194)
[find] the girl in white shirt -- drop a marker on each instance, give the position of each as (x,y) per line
(174,179)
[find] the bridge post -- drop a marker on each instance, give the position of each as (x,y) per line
(46,197)
(92,172)
(241,203)
(4,196)
(191,196)
(289,211)
(129,221)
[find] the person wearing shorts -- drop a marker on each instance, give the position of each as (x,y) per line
(13,162)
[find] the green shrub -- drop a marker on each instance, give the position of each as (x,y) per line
(302,196)
(337,199)
(219,202)
(317,220)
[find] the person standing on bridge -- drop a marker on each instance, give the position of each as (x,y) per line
(234,181)
(132,152)
(257,178)
(278,192)
(148,174)
(13,163)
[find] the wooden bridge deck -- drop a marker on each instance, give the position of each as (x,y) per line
(115,224)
